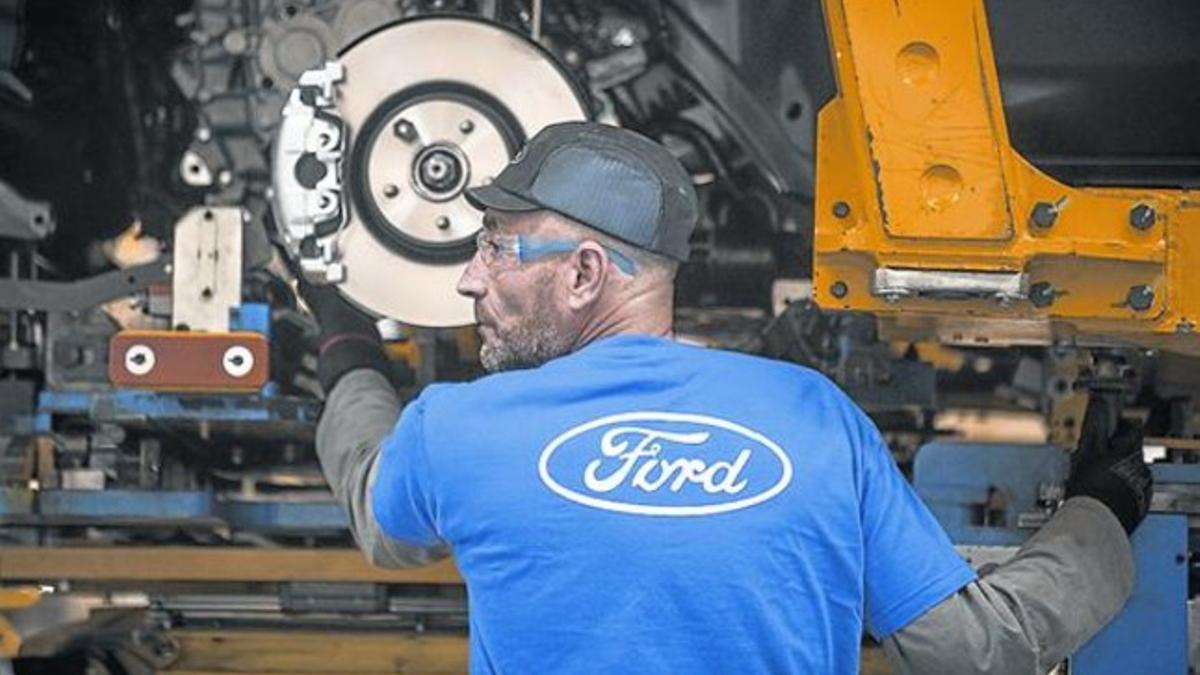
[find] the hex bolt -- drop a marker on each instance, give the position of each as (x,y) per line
(1142,217)
(442,223)
(1043,215)
(405,130)
(466,126)
(839,289)
(1042,294)
(841,209)
(1140,298)
(390,190)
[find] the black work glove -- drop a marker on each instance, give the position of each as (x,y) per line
(348,337)
(1108,465)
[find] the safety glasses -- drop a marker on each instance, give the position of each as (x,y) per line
(503,251)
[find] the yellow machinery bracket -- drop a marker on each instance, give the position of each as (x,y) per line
(927,217)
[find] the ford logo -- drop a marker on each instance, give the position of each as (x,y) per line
(664,464)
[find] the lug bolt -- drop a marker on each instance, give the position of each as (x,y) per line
(390,190)
(442,223)
(405,130)
(466,126)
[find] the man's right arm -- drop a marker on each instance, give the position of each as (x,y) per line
(361,409)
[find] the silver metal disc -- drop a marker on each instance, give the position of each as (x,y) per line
(404,264)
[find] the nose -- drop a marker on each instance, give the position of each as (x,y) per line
(471,282)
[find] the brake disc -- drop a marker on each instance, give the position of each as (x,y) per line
(376,149)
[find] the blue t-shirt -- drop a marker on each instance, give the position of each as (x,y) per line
(644,506)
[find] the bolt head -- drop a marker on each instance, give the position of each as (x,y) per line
(1142,217)
(839,289)
(390,190)
(1041,294)
(442,223)
(1043,215)
(841,209)
(466,126)
(1140,298)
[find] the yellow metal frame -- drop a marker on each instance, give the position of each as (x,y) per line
(915,171)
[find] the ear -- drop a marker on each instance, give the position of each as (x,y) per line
(588,274)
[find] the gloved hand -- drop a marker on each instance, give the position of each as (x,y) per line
(1108,464)
(348,337)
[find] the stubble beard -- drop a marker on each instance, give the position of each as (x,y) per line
(528,343)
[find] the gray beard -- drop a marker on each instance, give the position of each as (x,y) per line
(528,344)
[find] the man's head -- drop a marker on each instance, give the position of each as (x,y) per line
(582,235)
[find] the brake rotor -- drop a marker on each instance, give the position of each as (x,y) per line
(428,108)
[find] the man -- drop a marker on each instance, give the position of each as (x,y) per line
(620,502)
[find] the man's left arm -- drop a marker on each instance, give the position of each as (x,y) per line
(1027,615)
(1065,584)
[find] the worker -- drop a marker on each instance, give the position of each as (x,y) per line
(621,502)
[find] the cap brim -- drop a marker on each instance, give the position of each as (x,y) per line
(492,197)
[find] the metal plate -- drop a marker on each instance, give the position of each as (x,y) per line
(208,268)
(188,361)
(519,79)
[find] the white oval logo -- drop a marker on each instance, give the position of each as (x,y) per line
(664,464)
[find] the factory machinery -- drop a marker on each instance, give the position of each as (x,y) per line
(958,211)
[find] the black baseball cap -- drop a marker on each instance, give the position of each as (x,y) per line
(611,179)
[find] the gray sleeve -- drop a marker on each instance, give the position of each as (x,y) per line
(1030,613)
(359,413)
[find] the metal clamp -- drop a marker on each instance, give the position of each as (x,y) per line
(1003,287)
(310,205)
